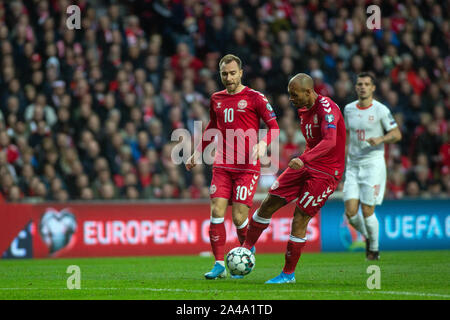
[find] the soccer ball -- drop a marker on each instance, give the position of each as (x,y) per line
(240,261)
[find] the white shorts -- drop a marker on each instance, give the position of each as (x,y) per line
(366,182)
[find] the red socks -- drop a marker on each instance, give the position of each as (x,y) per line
(217,238)
(256,226)
(242,231)
(293,253)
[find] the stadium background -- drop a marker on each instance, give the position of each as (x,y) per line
(86,115)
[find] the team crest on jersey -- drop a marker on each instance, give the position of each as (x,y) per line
(316,121)
(371,118)
(212,189)
(242,104)
(218,105)
(329,118)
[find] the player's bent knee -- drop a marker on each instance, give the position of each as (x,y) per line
(240,214)
(351,213)
(215,213)
(367,210)
(218,208)
(239,220)
(351,208)
(270,204)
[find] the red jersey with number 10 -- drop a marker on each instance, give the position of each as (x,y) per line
(324,130)
(237,117)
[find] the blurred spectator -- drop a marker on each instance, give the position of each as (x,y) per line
(183,60)
(198,189)
(107,191)
(396,185)
(15,194)
(87,194)
(11,151)
(412,189)
(131,193)
(429,143)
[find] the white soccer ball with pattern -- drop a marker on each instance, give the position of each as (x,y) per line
(240,261)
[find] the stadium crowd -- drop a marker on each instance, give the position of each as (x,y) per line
(88,113)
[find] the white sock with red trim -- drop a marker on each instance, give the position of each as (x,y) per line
(372,227)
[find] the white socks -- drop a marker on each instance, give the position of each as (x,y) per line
(260,219)
(295,239)
(357,222)
(243,225)
(372,231)
(368,227)
(216,220)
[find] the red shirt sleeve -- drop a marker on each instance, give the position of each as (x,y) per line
(273,132)
(328,126)
(265,111)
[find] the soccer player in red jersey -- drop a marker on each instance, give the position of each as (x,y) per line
(311,177)
(235,115)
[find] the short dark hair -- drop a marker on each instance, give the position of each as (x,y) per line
(368,75)
(230,58)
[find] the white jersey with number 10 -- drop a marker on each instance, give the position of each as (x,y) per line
(365,123)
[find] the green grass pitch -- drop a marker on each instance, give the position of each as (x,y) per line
(404,275)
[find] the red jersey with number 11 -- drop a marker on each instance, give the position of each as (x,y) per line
(324,130)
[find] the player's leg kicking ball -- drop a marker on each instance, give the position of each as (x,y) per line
(317,187)
(293,249)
